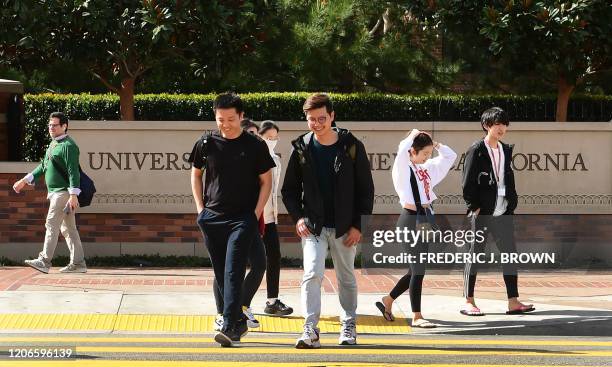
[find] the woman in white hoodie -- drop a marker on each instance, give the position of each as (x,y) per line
(414,166)
(274,306)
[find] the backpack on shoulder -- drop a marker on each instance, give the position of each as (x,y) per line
(87,186)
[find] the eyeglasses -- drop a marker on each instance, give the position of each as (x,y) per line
(321,119)
(51,126)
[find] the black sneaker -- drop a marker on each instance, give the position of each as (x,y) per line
(231,337)
(278,308)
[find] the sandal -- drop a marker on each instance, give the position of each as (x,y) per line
(522,309)
(473,311)
(386,314)
(424,324)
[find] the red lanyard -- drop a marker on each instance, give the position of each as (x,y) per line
(496,164)
(423,175)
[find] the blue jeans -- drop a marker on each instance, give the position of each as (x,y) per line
(228,240)
(252,281)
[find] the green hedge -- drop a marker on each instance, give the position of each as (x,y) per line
(288,107)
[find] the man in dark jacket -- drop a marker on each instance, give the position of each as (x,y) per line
(490,194)
(327,188)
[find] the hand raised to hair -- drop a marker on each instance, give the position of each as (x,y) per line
(413,134)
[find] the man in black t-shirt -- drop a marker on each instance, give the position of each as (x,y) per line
(237,185)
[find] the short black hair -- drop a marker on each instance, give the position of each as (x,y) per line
(421,141)
(63,119)
(246,124)
(492,116)
(228,100)
(268,125)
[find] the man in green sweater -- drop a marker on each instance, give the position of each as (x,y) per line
(60,166)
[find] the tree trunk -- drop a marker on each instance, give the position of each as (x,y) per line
(126,99)
(564,91)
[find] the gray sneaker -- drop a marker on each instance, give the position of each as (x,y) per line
(39,265)
(218,324)
(74,268)
(252,322)
(309,338)
(348,333)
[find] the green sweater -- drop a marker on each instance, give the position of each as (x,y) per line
(66,154)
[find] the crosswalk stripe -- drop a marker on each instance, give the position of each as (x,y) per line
(290,340)
(123,363)
(352,351)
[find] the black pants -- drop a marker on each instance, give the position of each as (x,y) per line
(502,230)
(228,240)
(413,280)
(273,256)
(252,281)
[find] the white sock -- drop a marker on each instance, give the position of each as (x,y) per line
(271,300)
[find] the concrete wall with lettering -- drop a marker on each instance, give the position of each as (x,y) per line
(141,167)
(144,203)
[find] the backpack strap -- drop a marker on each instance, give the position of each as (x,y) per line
(352,151)
(415,192)
(204,142)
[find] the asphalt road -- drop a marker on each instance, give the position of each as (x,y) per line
(275,350)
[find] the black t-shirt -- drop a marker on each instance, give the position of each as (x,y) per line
(232,172)
(324,157)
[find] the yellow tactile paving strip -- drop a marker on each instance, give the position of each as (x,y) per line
(105,363)
(185,323)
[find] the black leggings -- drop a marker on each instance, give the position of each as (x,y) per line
(252,281)
(273,256)
(413,280)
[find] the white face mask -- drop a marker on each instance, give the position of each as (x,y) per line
(271,144)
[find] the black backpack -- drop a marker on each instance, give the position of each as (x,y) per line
(88,189)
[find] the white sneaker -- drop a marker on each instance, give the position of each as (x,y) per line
(348,333)
(39,265)
(252,322)
(309,338)
(73,268)
(218,323)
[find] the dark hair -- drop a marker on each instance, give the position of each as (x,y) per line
(228,100)
(268,125)
(421,141)
(492,116)
(246,124)
(63,119)
(318,100)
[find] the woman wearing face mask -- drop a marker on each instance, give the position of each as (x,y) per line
(416,173)
(274,306)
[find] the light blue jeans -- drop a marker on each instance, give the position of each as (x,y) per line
(315,252)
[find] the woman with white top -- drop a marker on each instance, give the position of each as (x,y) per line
(274,306)
(414,166)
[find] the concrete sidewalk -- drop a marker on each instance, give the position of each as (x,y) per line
(180,300)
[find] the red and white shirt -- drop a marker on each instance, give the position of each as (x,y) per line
(428,174)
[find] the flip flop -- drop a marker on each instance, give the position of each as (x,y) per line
(387,315)
(521,310)
(423,324)
(474,311)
